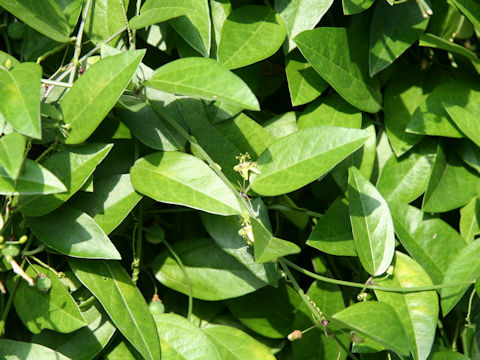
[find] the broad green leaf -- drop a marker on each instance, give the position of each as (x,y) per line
(55,310)
(20,105)
(12,148)
(123,351)
(430,118)
(281,125)
(268,247)
(18,350)
(213,273)
(363,159)
(150,128)
(372,225)
(268,311)
(5,57)
(124,303)
(418,311)
(195,26)
(300,158)
(402,96)
(431,242)
(84,343)
(234,344)
(351,7)
(156,11)
(331,110)
(203,78)
(342,61)
(405,179)
(451,184)
(72,232)
(463,267)
(33,179)
(369,318)
(45,17)
(465,114)
(179,178)
(112,199)
(71,9)
(182,340)
(224,230)
(446,354)
(219,9)
(471,9)
(246,134)
(292,212)
(470,154)
(394,29)
(304,83)
(314,345)
(300,15)
(469,219)
(250,34)
(332,233)
(105,18)
(95,93)
(436,42)
(73,166)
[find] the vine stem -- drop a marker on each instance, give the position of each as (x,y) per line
(78,42)
(373,287)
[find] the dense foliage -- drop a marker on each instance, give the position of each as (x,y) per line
(239,179)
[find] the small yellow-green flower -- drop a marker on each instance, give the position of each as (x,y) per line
(245,165)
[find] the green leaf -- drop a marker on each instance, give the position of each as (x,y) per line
(331,110)
(34,179)
(314,345)
(20,105)
(342,62)
(54,310)
(304,83)
(84,343)
(351,7)
(369,319)
(418,311)
(250,34)
(300,158)
(394,29)
(112,199)
(123,302)
(105,18)
(332,233)
(436,42)
(224,230)
(372,225)
(431,242)
(179,178)
(181,340)
(45,17)
(402,96)
(150,128)
(268,247)
(73,166)
(451,184)
(463,267)
(470,154)
(430,118)
(471,9)
(12,148)
(469,219)
(234,344)
(195,27)
(268,311)
(72,232)
(71,9)
(156,11)
(300,15)
(213,273)
(203,78)
(95,93)
(405,179)
(281,125)
(465,113)
(18,350)
(5,57)
(123,351)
